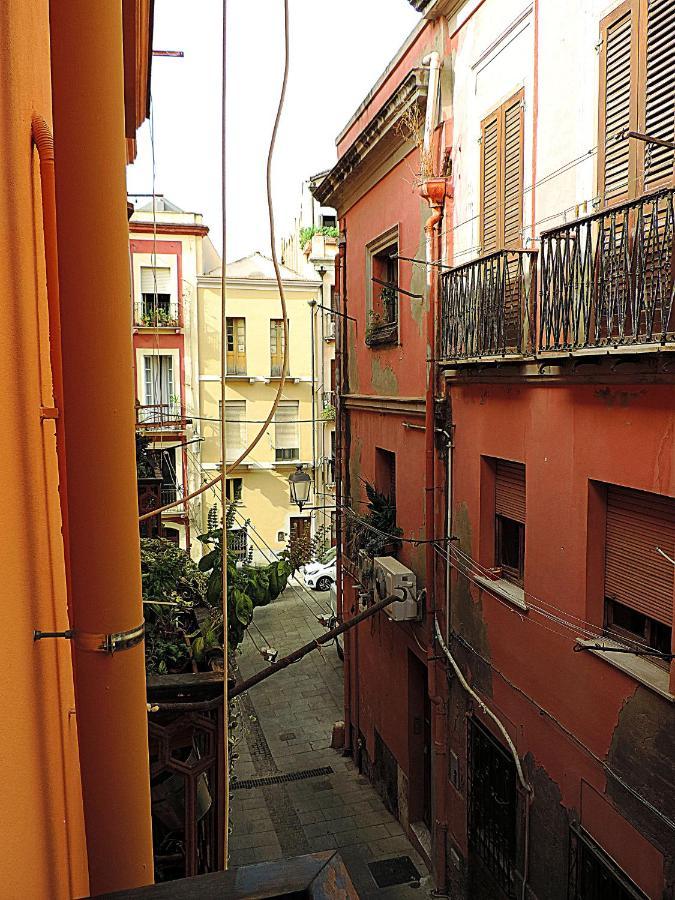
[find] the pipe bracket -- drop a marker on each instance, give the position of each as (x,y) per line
(109,643)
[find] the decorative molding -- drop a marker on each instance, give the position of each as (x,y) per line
(487,54)
(167,228)
(378,142)
(408,406)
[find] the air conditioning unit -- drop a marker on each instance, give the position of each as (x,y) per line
(391,577)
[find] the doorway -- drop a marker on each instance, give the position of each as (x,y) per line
(300,535)
(419,742)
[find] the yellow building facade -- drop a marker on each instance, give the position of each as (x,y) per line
(255,350)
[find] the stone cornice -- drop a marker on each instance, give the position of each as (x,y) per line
(377,143)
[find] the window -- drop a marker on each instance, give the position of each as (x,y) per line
(492,804)
(235,426)
(385,475)
(160,402)
(236,346)
(234,489)
(157,307)
(510,520)
(237,542)
(501,177)
(329,221)
(277,344)
(286,436)
(382,288)
(637,44)
(593,875)
(638,580)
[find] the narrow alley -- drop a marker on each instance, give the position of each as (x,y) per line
(284,729)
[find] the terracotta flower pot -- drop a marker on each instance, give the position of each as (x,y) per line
(434,190)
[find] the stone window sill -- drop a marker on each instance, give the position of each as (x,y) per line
(506,589)
(638,667)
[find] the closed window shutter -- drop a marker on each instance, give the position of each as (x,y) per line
(660,96)
(235,427)
(617,104)
(155,280)
(636,575)
(286,426)
(513,174)
(510,490)
(490,200)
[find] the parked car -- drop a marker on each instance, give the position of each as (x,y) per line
(320,575)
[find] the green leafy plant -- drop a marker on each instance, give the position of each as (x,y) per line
(248,586)
(308,232)
(328,413)
(154,318)
(376,530)
(145,466)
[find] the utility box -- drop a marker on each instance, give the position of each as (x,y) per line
(392,577)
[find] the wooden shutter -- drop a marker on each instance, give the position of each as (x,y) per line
(236,346)
(513,172)
(286,426)
(660,91)
(159,274)
(277,347)
(636,575)
(510,490)
(489,191)
(618,103)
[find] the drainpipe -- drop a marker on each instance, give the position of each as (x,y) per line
(340,342)
(433,190)
(312,313)
(98,397)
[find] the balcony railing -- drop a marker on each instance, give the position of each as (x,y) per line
(149,316)
(488,307)
(157,416)
(607,279)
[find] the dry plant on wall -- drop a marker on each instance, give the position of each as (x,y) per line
(411,127)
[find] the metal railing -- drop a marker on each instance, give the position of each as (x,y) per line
(149,316)
(159,415)
(488,307)
(607,279)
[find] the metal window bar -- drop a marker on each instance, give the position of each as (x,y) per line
(607,279)
(488,307)
(492,801)
(592,875)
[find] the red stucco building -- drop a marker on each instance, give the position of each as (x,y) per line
(521,726)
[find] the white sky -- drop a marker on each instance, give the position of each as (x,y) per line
(324,89)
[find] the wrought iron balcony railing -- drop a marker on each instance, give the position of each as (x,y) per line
(607,279)
(488,307)
(158,416)
(148,316)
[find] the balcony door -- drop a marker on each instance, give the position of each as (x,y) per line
(159,389)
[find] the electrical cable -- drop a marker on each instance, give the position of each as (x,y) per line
(569,734)
(282,296)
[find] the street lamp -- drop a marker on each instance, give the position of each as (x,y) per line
(300,484)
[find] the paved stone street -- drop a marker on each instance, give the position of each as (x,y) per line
(285,728)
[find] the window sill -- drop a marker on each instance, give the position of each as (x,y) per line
(382,334)
(506,589)
(638,667)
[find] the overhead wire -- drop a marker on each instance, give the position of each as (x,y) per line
(282,297)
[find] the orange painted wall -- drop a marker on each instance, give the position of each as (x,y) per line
(41,823)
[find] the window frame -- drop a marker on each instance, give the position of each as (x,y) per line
(515,576)
(384,332)
(277,330)
(236,358)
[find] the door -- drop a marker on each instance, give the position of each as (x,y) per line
(301,535)
(419,742)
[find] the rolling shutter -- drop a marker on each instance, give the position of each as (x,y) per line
(660,98)
(513,174)
(286,426)
(490,201)
(162,274)
(636,575)
(510,490)
(616,104)
(235,426)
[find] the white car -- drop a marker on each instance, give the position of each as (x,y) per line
(320,575)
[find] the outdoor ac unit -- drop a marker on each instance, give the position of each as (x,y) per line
(391,577)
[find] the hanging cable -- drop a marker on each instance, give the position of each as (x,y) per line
(282,296)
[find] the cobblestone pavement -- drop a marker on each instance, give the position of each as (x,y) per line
(285,726)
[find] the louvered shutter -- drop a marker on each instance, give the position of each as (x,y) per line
(162,275)
(513,174)
(660,96)
(510,490)
(617,104)
(490,202)
(636,575)
(286,426)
